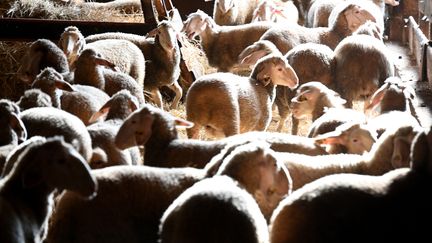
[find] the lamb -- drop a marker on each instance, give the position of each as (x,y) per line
(34,98)
(124,54)
(12,129)
(371,208)
(136,219)
(278,12)
(347,18)
(49,122)
(162,55)
(214,210)
(362,65)
(26,193)
(245,102)
(42,53)
(222,44)
(90,71)
(103,133)
(79,100)
(321,65)
(394,95)
(233,12)
(391,151)
(156,130)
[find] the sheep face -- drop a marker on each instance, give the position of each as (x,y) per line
(92,58)
(356,16)
(49,80)
(392,90)
(357,138)
(72,43)
(195,24)
(62,168)
(275,70)
(166,35)
(255,167)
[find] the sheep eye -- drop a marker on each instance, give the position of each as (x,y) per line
(280,69)
(271,191)
(355,140)
(302,98)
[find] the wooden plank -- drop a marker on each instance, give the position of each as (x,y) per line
(429,64)
(418,44)
(28,29)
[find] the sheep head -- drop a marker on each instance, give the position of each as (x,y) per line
(225,5)
(166,35)
(251,54)
(196,23)
(57,165)
(275,69)
(357,138)
(356,16)
(72,42)
(255,167)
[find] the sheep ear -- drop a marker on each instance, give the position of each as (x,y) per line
(376,98)
(250,58)
(401,153)
(106,63)
(334,137)
(101,112)
(132,105)
(63,85)
(18,126)
(181,123)
(31,178)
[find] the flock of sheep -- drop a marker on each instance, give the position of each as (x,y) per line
(95,101)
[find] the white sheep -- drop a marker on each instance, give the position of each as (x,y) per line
(233,12)
(222,44)
(245,102)
(42,53)
(276,11)
(162,55)
(79,100)
(103,133)
(215,209)
(321,65)
(360,208)
(156,130)
(26,192)
(362,65)
(124,54)
(94,70)
(346,19)
(391,151)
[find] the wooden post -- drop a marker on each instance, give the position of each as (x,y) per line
(397,18)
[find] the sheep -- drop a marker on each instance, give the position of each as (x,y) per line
(162,55)
(222,44)
(391,151)
(347,18)
(79,100)
(42,53)
(124,54)
(362,65)
(102,134)
(245,102)
(321,65)
(214,210)
(320,10)
(370,28)
(394,95)
(34,98)
(90,71)
(50,121)
(254,165)
(12,129)
(233,12)
(135,218)
(26,193)
(358,208)
(156,130)
(278,12)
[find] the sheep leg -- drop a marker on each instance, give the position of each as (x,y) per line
(156,97)
(294,127)
(178,94)
(193,132)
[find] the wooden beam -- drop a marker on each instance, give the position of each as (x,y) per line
(26,29)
